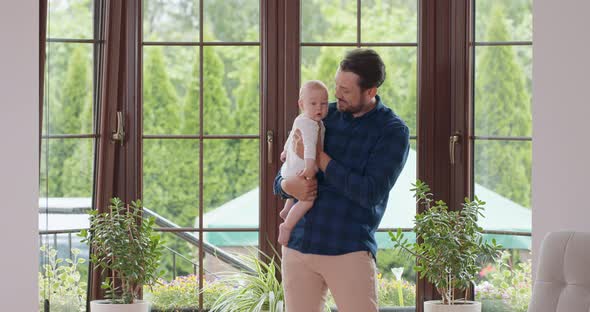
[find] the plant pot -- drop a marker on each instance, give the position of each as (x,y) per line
(459,306)
(107,306)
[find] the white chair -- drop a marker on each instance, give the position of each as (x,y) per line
(562,282)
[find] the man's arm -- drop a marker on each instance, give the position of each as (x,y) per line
(295,187)
(383,168)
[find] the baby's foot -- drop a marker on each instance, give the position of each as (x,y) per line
(283,214)
(284,234)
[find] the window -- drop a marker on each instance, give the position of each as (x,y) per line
(390,27)
(201,133)
(209,101)
(69,138)
(502,142)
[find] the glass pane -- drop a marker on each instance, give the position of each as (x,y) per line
(244,23)
(240,246)
(503,20)
(393,289)
(60,220)
(503,181)
(171,90)
(321,63)
(328,20)
(179,286)
(170,20)
(231,183)
(72,19)
(505,285)
(171,179)
(63,282)
(67,168)
(389,21)
(231,90)
(503,91)
(221,274)
(399,88)
(399,213)
(401,205)
(69,89)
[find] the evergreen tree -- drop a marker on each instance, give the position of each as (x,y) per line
(170,176)
(170,173)
(502,108)
(66,172)
(79,168)
(245,169)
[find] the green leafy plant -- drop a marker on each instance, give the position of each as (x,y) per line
(390,292)
(126,248)
(449,244)
(182,293)
(60,281)
(507,288)
(258,291)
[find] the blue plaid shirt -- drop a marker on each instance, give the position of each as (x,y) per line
(368,154)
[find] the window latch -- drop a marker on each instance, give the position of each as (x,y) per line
(269,144)
(119,133)
(453,141)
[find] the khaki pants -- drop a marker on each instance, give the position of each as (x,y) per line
(350,278)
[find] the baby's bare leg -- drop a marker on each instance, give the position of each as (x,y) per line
(295,214)
(285,211)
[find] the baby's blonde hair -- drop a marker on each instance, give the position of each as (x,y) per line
(312,85)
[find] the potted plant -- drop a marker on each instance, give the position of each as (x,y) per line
(257,291)
(127,249)
(449,246)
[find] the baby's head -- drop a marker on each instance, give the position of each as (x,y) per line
(313,99)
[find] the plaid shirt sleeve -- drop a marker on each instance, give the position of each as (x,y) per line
(384,166)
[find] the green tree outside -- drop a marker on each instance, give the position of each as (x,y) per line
(502,108)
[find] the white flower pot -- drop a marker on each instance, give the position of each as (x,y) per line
(459,306)
(107,306)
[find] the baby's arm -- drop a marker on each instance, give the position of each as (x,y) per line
(310,170)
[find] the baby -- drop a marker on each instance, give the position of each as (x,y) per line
(313,101)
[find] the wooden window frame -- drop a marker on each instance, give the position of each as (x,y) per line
(444,92)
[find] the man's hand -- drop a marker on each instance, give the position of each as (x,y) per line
(300,188)
(309,172)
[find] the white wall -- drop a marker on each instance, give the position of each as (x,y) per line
(19,46)
(561,117)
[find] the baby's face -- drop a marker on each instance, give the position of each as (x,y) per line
(314,103)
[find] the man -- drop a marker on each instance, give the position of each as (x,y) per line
(333,246)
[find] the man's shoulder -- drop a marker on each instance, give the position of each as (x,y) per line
(387,119)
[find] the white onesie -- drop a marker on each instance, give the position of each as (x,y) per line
(309,132)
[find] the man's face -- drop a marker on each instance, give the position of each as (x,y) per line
(349,97)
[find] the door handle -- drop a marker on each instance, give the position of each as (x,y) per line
(453,141)
(119,133)
(269,145)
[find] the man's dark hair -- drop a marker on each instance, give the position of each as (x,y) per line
(367,64)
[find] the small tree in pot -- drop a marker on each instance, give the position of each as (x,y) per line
(448,249)
(127,248)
